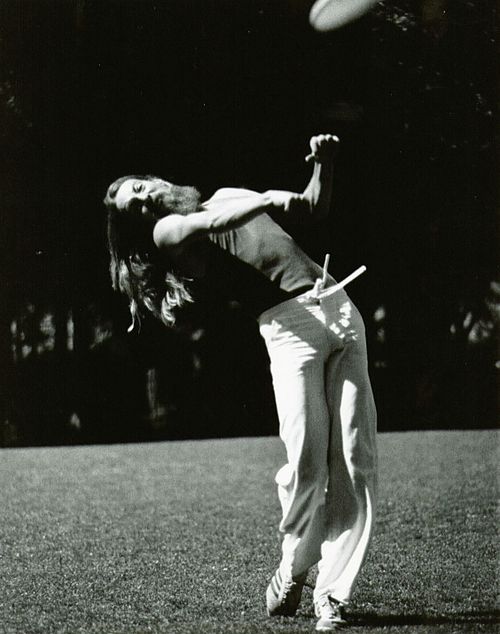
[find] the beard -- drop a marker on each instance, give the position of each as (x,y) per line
(179,199)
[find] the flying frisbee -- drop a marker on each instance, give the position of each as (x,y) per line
(326,15)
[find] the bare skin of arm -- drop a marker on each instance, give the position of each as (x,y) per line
(315,201)
(230,208)
(227,209)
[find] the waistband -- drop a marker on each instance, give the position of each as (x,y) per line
(312,296)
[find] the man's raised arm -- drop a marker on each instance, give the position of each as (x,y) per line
(231,207)
(314,202)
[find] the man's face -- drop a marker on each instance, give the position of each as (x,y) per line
(142,197)
(153,199)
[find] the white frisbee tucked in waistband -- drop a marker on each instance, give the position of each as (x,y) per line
(326,15)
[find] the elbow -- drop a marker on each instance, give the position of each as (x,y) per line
(270,201)
(286,202)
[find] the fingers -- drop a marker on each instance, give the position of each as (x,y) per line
(323,147)
(322,141)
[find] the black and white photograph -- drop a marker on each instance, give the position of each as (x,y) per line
(249,323)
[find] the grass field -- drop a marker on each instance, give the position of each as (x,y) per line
(181,537)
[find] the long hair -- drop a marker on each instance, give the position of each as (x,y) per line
(136,270)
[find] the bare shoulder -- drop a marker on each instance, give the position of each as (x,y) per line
(230,192)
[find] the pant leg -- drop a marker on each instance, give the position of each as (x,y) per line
(350,500)
(297,345)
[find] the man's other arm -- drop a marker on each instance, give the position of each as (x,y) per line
(228,209)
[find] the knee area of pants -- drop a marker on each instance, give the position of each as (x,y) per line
(312,478)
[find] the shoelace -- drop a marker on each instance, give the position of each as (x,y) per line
(330,609)
(290,584)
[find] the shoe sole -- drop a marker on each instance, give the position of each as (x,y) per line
(331,627)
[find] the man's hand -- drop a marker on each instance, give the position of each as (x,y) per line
(324,147)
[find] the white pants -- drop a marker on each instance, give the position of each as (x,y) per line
(327,421)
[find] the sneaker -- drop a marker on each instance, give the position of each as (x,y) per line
(330,613)
(283,595)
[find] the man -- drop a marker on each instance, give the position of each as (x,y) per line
(164,244)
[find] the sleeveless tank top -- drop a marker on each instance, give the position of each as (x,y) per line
(258,265)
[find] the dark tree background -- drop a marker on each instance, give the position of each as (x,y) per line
(214,93)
